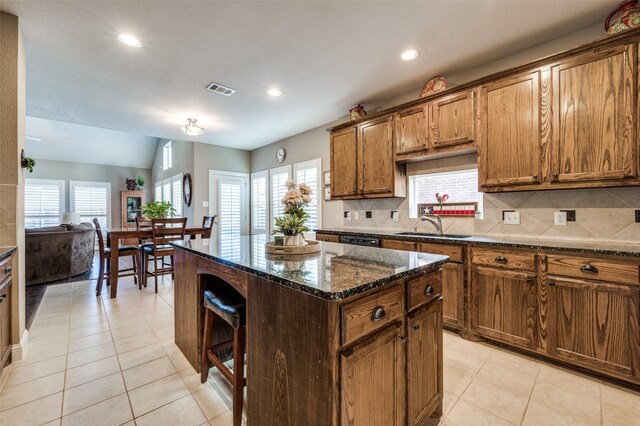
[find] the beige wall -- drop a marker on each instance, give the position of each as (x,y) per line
(68,171)
(197,159)
(12,114)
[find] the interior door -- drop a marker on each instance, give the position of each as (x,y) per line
(228,198)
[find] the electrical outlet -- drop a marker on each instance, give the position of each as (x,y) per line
(571,215)
(356,216)
(637,216)
(205,204)
(367,215)
(347,215)
(395,216)
(510,217)
(560,218)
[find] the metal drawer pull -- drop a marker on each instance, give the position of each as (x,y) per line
(428,291)
(8,269)
(378,314)
(589,269)
(416,327)
(501,259)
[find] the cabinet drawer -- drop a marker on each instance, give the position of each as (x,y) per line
(423,289)
(399,245)
(328,237)
(603,270)
(5,269)
(454,252)
(503,259)
(371,313)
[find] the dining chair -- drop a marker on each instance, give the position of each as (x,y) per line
(164,231)
(121,251)
(207,224)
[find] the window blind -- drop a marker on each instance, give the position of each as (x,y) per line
(176,194)
(42,202)
(158,192)
(230,223)
(259,202)
(279,178)
(91,199)
(309,173)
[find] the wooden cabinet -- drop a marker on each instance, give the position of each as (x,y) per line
(452,120)
(373,380)
(504,305)
(332,238)
(511,131)
(5,311)
(411,130)
(131,203)
(453,294)
(594,134)
(344,157)
(424,356)
(595,325)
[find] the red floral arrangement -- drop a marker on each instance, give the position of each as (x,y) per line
(441,198)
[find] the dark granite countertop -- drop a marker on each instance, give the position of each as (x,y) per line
(576,246)
(336,272)
(6,252)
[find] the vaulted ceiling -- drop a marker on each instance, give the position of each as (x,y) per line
(324,56)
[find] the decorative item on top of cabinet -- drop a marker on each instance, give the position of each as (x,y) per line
(452,120)
(594,128)
(627,18)
(344,167)
(435,85)
(357,112)
(513,125)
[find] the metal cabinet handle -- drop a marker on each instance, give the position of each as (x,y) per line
(589,269)
(8,269)
(428,291)
(501,259)
(552,284)
(403,338)
(416,327)
(556,175)
(378,314)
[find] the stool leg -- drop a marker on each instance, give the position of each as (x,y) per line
(238,374)
(206,345)
(100,277)
(155,271)
(134,260)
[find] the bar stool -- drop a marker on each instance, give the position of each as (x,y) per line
(229,305)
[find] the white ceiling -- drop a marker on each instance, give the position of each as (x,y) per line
(324,56)
(56,140)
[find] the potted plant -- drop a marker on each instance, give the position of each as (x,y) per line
(140,181)
(292,223)
(158,210)
(27,162)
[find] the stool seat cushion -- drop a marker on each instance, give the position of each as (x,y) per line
(160,248)
(122,249)
(228,304)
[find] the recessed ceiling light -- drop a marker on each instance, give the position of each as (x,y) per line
(409,55)
(274,92)
(129,40)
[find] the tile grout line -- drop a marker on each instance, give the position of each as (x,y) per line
(524,414)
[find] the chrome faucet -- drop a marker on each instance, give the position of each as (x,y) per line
(436,223)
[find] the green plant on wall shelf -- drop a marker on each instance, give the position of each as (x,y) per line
(140,181)
(158,210)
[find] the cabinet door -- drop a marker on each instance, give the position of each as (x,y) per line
(453,294)
(593,125)
(5,322)
(424,357)
(344,158)
(595,324)
(451,120)
(372,380)
(511,137)
(411,130)
(375,157)
(504,305)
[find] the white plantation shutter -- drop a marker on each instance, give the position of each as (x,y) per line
(259,202)
(43,202)
(166,190)
(176,194)
(309,172)
(158,192)
(230,212)
(279,178)
(91,199)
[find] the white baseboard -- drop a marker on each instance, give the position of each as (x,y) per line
(19,350)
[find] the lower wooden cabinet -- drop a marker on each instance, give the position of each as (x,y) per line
(424,356)
(504,305)
(595,324)
(5,322)
(373,383)
(453,294)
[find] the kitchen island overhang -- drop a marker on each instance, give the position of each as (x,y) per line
(307,317)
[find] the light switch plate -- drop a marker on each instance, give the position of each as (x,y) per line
(560,218)
(347,215)
(395,216)
(356,216)
(205,204)
(511,217)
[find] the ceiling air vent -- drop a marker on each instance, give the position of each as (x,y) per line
(219,88)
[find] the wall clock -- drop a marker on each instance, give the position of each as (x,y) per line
(281,154)
(186,188)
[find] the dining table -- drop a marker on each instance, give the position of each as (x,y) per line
(115,235)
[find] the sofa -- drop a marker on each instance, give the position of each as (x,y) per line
(55,253)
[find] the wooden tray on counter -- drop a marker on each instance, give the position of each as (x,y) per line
(312,246)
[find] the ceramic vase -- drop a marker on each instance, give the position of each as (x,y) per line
(294,240)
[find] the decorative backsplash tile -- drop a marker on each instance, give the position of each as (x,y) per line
(606,214)
(8,194)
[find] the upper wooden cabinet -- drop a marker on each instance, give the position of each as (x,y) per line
(362,164)
(411,130)
(344,157)
(511,117)
(452,120)
(594,134)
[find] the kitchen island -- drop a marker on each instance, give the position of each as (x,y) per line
(349,335)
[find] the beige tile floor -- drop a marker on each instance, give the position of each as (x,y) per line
(110,362)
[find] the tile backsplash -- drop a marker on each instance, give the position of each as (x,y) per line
(606,214)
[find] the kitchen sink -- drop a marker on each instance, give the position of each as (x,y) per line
(432,234)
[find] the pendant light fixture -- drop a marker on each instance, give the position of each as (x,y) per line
(191,128)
